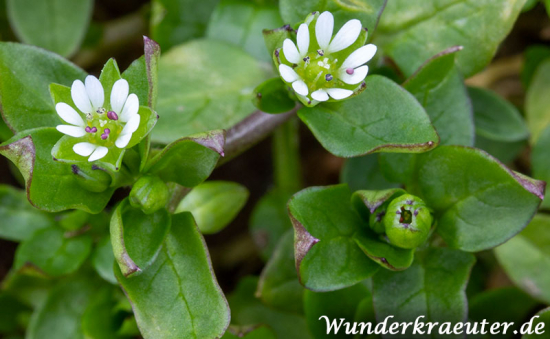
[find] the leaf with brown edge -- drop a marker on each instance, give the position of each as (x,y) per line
(327,257)
(190,160)
(137,237)
(51,186)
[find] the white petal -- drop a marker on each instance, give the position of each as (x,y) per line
(323,29)
(132,125)
(80,97)
(290,51)
(346,36)
(99,153)
(300,87)
(287,73)
(339,93)
(320,95)
(303,40)
(95,91)
(359,57)
(358,75)
(68,114)
(131,108)
(119,94)
(84,148)
(123,140)
(73,131)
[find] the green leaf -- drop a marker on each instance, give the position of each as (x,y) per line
(269,221)
(19,219)
(226,24)
(412,31)
(103,260)
(397,168)
(188,161)
(342,304)
(58,26)
(507,304)
(279,287)
(368,11)
(45,178)
(137,237)
(327,257)
(385,118)
(382,252)
(434,287)
(26,73)
(537,101)
(495,118)
(247,310)
(544,317)
(204,85)
(540,162)
(183,298)
(214,204)
(272,96)
(526,258)
(505,152)
(100,321)
(176,21)
(479,203)
(54,251)
(11,310)
(439,87)
(62,311)
(364,173)
(534,56)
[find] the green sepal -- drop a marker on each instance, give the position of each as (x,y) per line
(272,96)
(382,252)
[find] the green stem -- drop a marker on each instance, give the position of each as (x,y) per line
(286,157)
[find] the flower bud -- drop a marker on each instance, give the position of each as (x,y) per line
(92,178)
(407,221)
(149,194)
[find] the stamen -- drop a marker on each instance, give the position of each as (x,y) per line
(101,110)
(112,115)
(93,130)
(320,52)
(350,71)
(277,53)
(306,59)
(106,131)
(104,136)
(88,129)
(329,77)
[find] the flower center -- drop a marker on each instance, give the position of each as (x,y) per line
(103,128)
(318,70)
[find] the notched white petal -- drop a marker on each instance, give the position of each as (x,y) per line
(95,91)
(80,97)
(359,74)
(346,36)
(123,140)
(287,73)
(300,87)
(84,148)
(99,153)
(339,93)
(132,125)
(359,57)
(68,114)
(119,94)
(290,51)
(303,40)
(320,95)
(323,29)
(73,131)
(131,108)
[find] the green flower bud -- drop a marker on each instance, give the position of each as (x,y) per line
(376,219)
(149,194)
(91,178)
(407,221)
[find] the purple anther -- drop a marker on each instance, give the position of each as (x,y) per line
(93,130)
(329,77)
(409,202)
(397,212)
(416,213)
(277,53)
(112,115)
(88,129)
(320,52)
(350,71)
(104,136)
(106,131)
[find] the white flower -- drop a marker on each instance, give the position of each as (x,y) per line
(318,73)
(100,127)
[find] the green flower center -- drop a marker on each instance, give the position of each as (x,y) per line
(319,71)
(103,128)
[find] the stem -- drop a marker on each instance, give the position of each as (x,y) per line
(252,130)
(286,157)
(178,192)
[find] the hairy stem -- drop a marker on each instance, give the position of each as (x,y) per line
(286,157)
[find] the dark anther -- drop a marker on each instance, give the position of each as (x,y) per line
(75,169)
(277,53)
(320,52)
(93,130)
(329,77)
(306,59)
(112,115)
